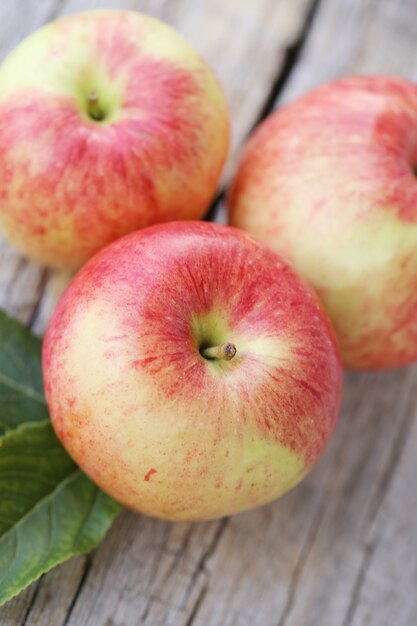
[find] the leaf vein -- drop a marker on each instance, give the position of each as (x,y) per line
(23,389)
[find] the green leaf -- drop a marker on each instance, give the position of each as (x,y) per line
(21,390)
(49,510)
(32,464)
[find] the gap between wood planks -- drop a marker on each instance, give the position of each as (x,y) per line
(291,56)
(31,604)
(86,569)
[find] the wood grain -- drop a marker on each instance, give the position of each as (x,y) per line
(340,550)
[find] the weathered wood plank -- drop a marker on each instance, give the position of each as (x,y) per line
(385,591)
(356,565)
(370,590)
(127,582)
(357,37)
(50,598)
(147,572)
(15,611)
(53,596)
(340,549)
(306,557)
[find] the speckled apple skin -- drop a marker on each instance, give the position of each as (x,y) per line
(69,185)
(162,429)
(329,183)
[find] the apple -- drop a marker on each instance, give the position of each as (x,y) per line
(190,372)
(329,182)
(109,122)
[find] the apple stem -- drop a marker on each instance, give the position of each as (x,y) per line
(94,110)
(225,352)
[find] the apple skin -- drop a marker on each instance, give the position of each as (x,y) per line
(156,425)
(70,184)
(329,183)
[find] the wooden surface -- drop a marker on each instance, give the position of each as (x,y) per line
(339,550)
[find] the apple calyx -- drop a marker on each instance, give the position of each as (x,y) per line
(94,110)
(224,352)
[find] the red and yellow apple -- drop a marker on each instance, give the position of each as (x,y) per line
(109,122)
(190,372)
(329,182)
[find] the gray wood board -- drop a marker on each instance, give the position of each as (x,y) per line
(339,550)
